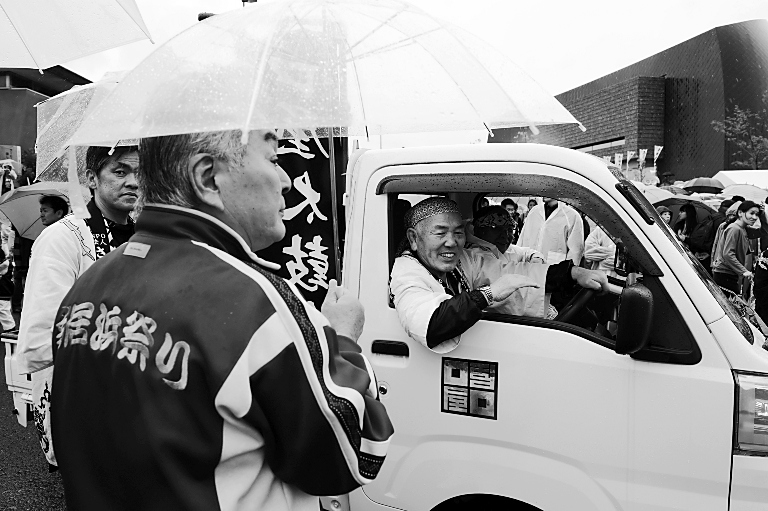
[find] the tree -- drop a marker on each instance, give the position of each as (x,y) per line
(748,131)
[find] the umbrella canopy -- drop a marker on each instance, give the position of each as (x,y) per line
(655,195)
(703,211)
(40,34)
(22,206)
(361,67)
(750,192)
(704,185)
(57,120)
(676,190)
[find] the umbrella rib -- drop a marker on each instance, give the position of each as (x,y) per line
(492,77)
(415,41)
(357,79)
(23,39)
(146,32)
(260,78)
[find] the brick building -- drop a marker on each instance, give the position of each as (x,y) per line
(669,99)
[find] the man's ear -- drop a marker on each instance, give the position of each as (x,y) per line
(412,236)
(203,171)
(90,176)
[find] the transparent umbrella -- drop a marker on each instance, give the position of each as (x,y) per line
(360,67)
(57,120)
(44,33)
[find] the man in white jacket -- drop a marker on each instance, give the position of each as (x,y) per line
(60,255)
(437,289)
(555,230)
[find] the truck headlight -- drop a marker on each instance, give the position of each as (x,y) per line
(752,417)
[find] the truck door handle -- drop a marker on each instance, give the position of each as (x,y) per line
(396,348)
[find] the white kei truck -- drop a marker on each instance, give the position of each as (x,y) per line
(670,412)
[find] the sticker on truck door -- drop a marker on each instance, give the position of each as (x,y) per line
(470,387)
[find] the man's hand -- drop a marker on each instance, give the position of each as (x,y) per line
(508,284)
(344,311)
(590,279)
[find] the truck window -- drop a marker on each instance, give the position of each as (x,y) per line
(671,340)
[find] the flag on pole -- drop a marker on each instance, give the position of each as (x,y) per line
(630,154)
(618,158)
(607,158)
(641,158)
(656,152)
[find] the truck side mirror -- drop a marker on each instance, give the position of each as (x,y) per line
(635,319)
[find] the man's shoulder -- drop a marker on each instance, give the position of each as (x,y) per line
(68,230)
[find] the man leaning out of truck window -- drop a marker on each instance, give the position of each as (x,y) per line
(439,291)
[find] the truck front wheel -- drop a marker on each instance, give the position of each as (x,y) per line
(484,502)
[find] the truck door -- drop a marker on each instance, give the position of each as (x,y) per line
(542,412)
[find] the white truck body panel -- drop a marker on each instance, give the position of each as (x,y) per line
(578,426)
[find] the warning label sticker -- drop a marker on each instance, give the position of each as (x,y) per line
(470,387)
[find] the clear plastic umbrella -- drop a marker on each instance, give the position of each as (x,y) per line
(44,33)
(57,120)
(361,67)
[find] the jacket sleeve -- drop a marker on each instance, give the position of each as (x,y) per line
(312,398)
(575,241)
(454,317)
(731,238)
(595,249)
(53,269)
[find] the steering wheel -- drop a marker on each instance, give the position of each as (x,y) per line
(575,304)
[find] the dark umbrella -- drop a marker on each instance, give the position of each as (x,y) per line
(704,185)
(675,203)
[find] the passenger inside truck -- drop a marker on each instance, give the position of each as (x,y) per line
(594,316)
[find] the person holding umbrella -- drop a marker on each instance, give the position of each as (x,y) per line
(60,255)
(188,375)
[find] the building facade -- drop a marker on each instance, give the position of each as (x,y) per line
(20,91)
(669,99)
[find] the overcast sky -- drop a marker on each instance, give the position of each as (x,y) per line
(561,43)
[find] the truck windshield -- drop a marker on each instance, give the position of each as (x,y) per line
(737,315)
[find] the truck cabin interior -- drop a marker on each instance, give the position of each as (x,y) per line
(669,339)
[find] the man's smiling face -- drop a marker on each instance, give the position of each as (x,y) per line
(438,240)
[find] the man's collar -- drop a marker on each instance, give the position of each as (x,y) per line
(180,222)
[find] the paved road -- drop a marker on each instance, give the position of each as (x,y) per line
(25,484)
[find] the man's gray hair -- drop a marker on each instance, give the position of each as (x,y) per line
(163,163)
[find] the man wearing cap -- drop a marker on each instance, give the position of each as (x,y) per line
(60,255)
(437,298)
(488,254)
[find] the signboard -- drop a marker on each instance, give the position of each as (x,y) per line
(309,254)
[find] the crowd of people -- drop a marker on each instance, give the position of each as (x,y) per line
(288,408)
(214,399)
(731,244)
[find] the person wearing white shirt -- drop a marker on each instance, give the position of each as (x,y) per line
(556,231)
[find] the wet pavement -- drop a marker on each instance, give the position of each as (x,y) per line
(25,484)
